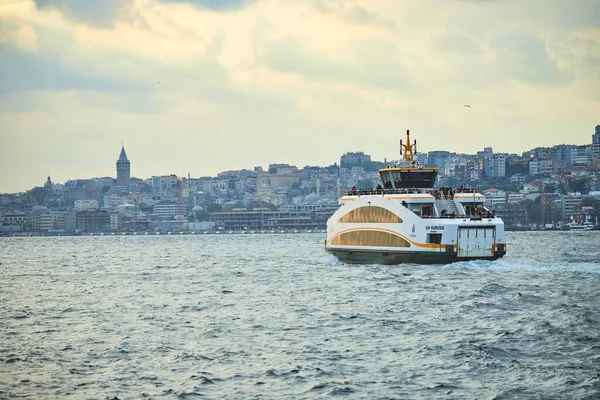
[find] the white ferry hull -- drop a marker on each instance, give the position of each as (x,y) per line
(380,229)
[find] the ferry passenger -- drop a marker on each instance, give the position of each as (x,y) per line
(353,189)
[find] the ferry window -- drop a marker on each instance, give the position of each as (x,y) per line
(435,238)
(416,179)
(427,211)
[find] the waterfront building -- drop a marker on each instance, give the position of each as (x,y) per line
(93,221)
(32,222)
(198,226)
(70,222)
(272,220)
(10,229)
(17,218)
(12,222)
(53,221)
(123,169)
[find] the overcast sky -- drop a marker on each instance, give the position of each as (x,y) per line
(202,86)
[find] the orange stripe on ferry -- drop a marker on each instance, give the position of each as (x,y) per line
(424,245)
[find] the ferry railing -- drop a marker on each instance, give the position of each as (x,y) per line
(475,217)
(440,194)
(365,192)
(471,217)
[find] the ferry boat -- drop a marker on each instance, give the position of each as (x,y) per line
(406,220)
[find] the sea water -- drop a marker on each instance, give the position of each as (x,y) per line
(273,316)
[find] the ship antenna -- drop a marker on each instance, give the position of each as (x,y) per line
(409,150)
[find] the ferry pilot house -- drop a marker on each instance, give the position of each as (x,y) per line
(408,179)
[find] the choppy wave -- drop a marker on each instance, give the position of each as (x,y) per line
(275,317)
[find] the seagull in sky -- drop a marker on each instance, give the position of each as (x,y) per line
(466,105)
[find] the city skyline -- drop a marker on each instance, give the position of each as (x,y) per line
(122,173)
(199,88)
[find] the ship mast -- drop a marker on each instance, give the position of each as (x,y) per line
(409,150)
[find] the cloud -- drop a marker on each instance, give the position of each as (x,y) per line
(566,15)
(354,13)
(95,12)
(218,5)
(103,13)
(371,62)
(522,56)
(456,42)
(22,72)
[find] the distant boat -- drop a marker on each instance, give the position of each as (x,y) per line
(580,227)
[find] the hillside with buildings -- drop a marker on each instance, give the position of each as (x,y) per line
(542,187)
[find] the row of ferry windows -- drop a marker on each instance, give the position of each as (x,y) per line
(408,179)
